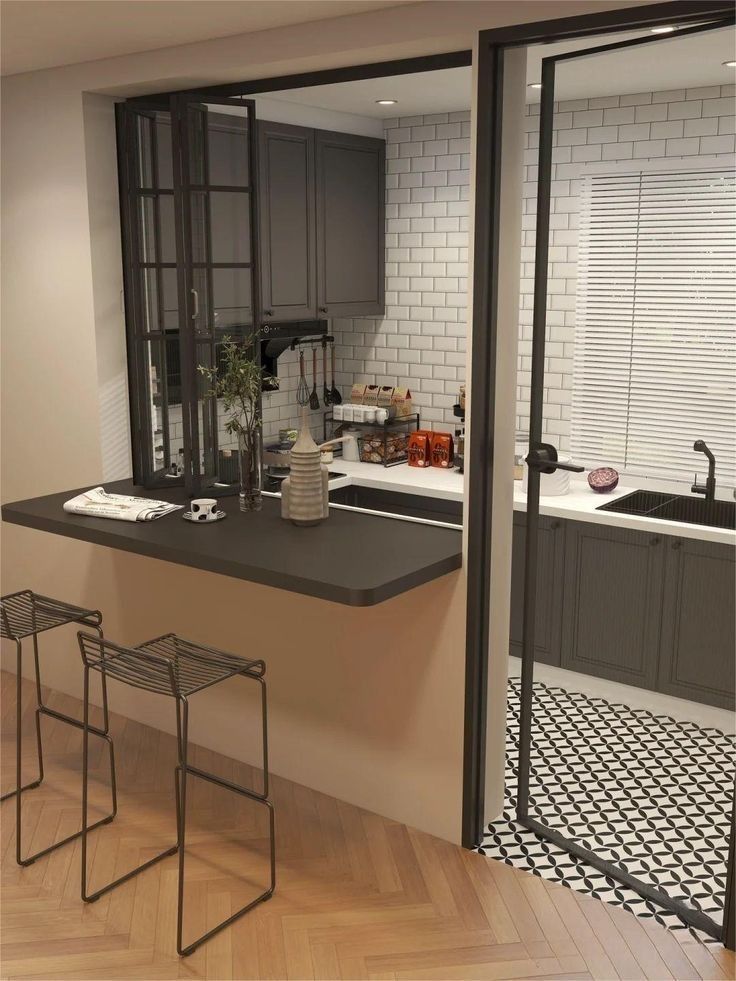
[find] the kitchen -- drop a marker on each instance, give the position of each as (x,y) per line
(399,342)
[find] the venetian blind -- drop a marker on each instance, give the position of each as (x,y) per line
(655,342)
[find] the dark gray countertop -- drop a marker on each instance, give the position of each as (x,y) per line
(351,558)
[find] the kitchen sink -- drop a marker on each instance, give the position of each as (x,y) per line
(675,507)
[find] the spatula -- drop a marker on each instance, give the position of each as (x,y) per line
(335,397)
(314,398)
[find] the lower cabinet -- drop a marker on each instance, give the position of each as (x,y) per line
(698,638)
(643,609)
(613,597)
(548,620)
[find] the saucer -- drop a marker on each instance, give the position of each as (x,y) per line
(219,515)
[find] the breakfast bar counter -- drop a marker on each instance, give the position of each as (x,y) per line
(351,558)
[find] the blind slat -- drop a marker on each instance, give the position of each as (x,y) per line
(654,364)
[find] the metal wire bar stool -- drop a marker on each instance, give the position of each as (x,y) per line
(170,665)
(27,614)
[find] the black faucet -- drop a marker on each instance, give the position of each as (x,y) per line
(709,490)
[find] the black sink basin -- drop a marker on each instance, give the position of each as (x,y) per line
(675,507)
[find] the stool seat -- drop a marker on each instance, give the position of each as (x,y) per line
(25,613)
(167,665)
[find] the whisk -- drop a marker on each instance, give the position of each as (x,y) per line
(302,391)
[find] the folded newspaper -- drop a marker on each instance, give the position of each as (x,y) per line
(97,503)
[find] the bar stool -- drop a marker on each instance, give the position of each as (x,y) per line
(27,614)
(172,666)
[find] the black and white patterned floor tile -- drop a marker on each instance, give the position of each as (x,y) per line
(648,793)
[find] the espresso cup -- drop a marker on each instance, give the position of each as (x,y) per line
(204,509)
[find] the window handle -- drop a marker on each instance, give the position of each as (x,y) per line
(195,297)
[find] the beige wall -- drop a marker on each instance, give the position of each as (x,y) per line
(364,704)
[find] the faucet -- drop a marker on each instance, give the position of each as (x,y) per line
(709,489)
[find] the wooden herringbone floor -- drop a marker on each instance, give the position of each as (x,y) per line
(358,896)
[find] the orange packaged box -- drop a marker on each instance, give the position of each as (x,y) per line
(442,450)
(420,448)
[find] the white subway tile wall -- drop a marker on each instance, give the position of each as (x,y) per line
(420,343)
(650,125)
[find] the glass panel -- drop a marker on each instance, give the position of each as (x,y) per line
(149,300)
(230,226)
(168,229)
(170,299)
(163,150)
(231,298)
(147,228)
(227,148)
(144,152)
(198,213)
(162,376)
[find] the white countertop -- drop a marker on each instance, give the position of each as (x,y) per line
(580,504)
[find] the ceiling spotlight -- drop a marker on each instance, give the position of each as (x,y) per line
(664,29)
(729,64)
(385,102)
(534,85)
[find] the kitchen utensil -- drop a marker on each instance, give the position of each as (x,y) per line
(302,392)
(335,397)
(326,393)
(314,398)
(350,451)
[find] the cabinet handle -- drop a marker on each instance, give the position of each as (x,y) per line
(555,525)
(195,299)
(322,309)
(677,544)
(654,541)
(268,313)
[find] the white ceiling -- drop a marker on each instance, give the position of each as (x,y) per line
(668,63)
(39,34)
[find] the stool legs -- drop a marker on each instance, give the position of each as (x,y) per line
(86,828)
(182,772)
(42,709)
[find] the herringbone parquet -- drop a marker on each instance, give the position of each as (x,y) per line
(358,896)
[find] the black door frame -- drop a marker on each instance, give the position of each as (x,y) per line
(490,68)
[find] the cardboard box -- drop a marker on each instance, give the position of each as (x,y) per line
(357,392)
(401,402)
(370,396)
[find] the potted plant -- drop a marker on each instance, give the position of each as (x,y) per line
(236,381)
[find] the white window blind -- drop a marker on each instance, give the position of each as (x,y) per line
(655,341)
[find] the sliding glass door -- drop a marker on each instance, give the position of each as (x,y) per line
(654,257)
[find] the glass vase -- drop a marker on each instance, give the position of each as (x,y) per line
(250,459)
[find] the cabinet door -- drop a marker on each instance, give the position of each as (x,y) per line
(698,637)
(287,222)
(613,603)
(350,225)
(548,621)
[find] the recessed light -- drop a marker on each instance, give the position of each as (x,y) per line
(664,29)
(385,102)
(534,85)
(729,64)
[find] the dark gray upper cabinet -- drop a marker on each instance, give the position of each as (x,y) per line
(548,620)
(287,222)
(350,172)
(613,599)
(698,638)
